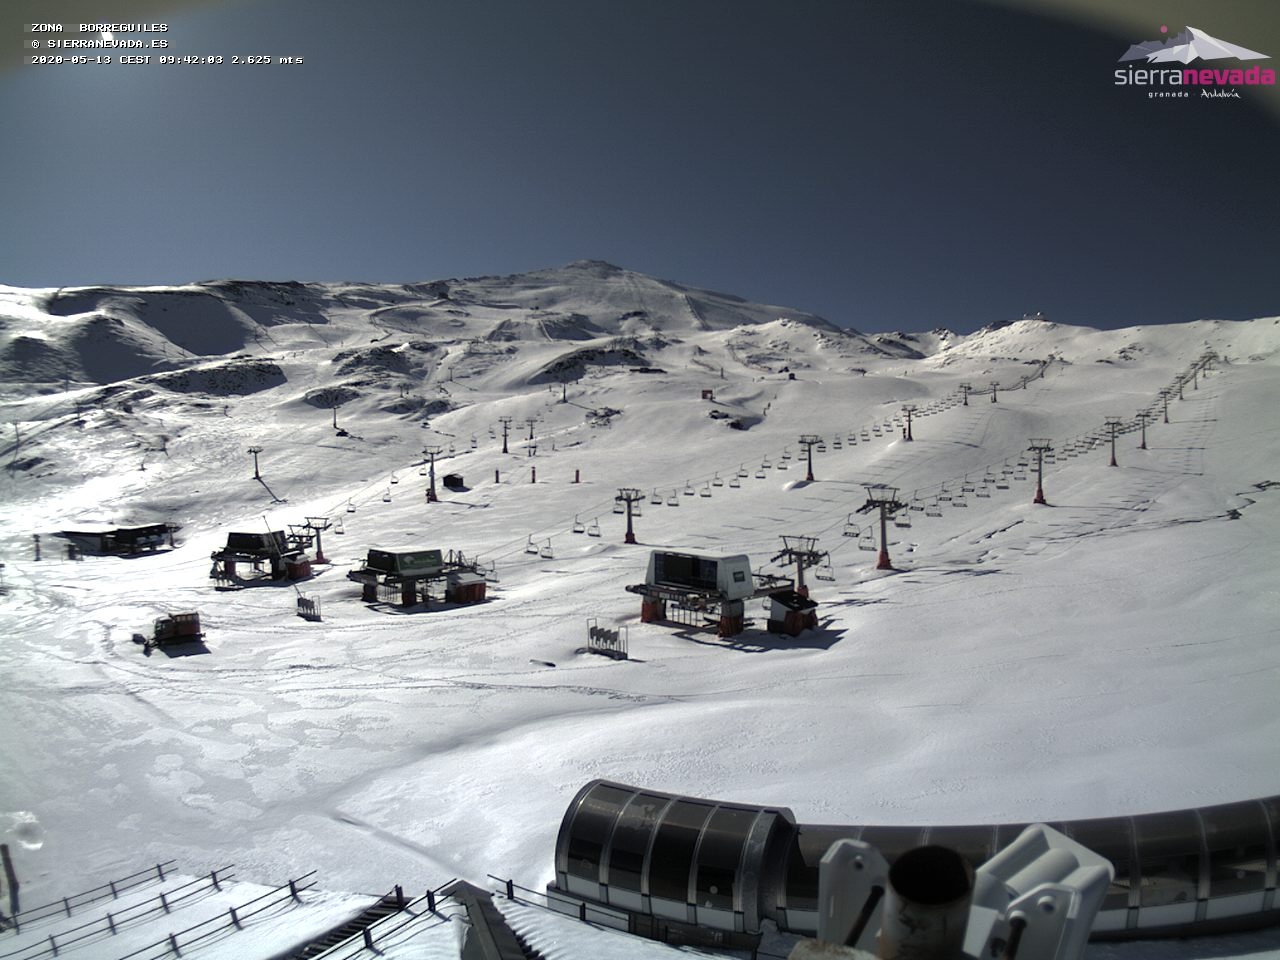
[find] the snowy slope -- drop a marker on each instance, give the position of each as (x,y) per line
(1111,653)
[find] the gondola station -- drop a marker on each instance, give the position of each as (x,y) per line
(408,574)
(699,589)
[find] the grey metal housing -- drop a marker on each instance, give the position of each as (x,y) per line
(728,866)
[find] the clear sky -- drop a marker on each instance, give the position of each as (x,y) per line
(889,165)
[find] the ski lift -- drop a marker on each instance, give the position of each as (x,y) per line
(394,478)
(917,506)
(635,508)
(422,471)
(688,489)
(386,497)
(1020,476)
(933,509)
(742,471)
(866,435)
(705,491)
(760,474)
(618,507)
(546,553)
(452,451)
(656,497)
(943,496)
(530,547)
(351,507)
(966,486)
(765,464)
(983,492)
(735,484)
(474,442)
(786,453)
(716,481)
(338,527)
(902,520)
(867,542)
(673,500)
(876,430)
(824,571)
(851,528)
(492,433)
(853,440)
(782,465)
(594,529)
(836,444)
(959,501)
(822,448)
(1002,483)
(578,525)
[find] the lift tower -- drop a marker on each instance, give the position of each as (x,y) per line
(1113,427)
(1040,446)
(629,496)
(809,441)
(884,498)
(908,409)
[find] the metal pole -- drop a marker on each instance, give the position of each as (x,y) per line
(631,537)
(926,908)
(883,563)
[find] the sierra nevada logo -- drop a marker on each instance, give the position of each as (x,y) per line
(1192,44)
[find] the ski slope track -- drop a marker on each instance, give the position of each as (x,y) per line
(1109,654)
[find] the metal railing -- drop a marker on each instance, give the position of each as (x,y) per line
(380,930)
(109,890)
(164,902)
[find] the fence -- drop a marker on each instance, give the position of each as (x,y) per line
(110,890)
(588,913)
(383,929)
(309,609)
(234,917)
(610,643)
(164,902)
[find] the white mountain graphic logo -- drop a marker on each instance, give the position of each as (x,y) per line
(1190,44)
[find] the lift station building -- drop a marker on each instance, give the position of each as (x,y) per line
(409,572)
(694,588)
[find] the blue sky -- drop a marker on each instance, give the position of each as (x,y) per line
(887,165)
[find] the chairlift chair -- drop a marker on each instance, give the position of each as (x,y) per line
(836,444)
(530,547)
(618,507)
(943,495)
(673,500)
(782,464)
(688,489)
(851,528)
(351,507)
(578,525)
(655,497)
(824,571)
(867,542)
(786,453)
(933,509)
(983,492)
(716,481)
(705,491)
(546,552)
(394,478)
(452,451)
(760,474)
(742,471)
(902,520)
(594,529)
(474,442)
(386,497)
(1002,483)
(765,464)
(422,471)
(338,527)
(635,508)
(966,486)
(822,448)
(735,484)
(959,501)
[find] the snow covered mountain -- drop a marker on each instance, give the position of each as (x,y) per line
(1110,653)
(1190,44)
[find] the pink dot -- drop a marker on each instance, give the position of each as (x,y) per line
(1163,28)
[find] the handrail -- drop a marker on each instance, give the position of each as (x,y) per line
(581,907)
(366,935)
(233,918)
(113,888)
(165,899)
